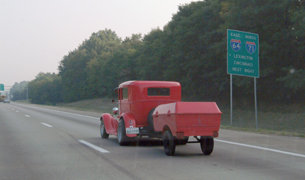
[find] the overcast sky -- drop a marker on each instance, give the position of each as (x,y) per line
(36,34)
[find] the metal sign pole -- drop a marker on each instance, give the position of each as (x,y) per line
(231,99)
(255,99)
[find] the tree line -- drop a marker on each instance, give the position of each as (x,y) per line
(190,49)
(19,91)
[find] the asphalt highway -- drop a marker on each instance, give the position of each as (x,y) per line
(38,142)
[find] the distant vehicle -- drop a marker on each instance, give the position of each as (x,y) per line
(154,109)
(6,101)
(2,97)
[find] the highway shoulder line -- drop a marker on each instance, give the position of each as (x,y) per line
(65,112)
(262,148)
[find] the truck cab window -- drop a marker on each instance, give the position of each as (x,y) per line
(125,93)
(158,91)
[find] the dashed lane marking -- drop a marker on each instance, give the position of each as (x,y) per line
(45,124)
(94,146)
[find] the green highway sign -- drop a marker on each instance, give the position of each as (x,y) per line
(1,87)
(242,53)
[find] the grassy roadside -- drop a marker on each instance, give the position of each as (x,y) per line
(102,105)
(96,105)
(286,120)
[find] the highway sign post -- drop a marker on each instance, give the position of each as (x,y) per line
(1,87)
(242,59)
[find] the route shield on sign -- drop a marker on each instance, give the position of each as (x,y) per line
(251,47)
(235,44)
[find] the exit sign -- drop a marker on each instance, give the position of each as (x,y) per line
(242,53)
(1,87)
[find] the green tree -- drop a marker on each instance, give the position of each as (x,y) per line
(195,49)
(80,69)
(46,88)
(73,72)
(151,63)
(121,66)
(19,90)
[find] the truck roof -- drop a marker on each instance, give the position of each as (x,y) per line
(150,83)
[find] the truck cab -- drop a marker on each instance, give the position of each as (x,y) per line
(139,98)
(137,101)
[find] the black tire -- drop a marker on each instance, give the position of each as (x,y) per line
(150,120)
(169,143)
(182,141)
(103,132)
(207,145)
(122,138)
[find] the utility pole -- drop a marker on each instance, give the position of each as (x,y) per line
(27,92)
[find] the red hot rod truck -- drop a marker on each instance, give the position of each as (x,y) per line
(154,109)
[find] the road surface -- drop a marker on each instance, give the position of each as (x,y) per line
(38,142)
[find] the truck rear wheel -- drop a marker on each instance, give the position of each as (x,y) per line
(104,134)
(122,138)
(207,145)
(169,143)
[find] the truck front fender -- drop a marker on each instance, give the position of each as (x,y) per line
(107,119)
(129,121)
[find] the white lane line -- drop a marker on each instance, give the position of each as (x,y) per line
(77,115)
(27,116)
(48,125)
(94,146)
(262,148)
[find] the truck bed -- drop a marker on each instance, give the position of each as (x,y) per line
(188,118)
